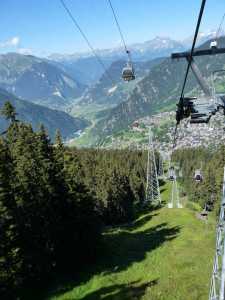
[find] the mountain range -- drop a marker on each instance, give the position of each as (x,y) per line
(68,82)
(113,90)
(159,90)
(37,80)
(83,63)
(37,114)
(90,71)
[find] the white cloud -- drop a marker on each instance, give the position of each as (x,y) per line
(13,42)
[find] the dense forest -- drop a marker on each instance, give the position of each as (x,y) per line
(211,162)
(117,178)
(54,202)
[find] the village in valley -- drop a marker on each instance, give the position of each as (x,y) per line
(162,126)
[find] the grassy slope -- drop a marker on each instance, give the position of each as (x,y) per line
(166,254)
(89,111)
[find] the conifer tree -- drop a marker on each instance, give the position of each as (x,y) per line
(9,253)
(120,199)
(8,111)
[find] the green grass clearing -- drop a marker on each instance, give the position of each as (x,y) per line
(165,254)
(89,111)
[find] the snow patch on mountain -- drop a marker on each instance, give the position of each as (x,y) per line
(112,90)
(57,93)
(203,37)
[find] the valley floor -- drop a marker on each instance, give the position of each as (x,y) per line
(165,254)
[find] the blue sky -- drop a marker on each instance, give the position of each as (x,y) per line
(42,26)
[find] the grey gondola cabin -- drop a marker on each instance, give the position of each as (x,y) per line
(128,73)
(198,176)
(172,174)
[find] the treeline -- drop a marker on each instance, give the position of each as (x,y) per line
(211,162)
(54,202)
(117,179)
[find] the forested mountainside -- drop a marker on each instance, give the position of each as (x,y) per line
(40,233)
(86,69)
(37,80)
(114,90)
(211,162)
(158,90)
(108,90)
(36,114)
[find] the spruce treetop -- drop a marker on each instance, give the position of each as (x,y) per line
(8,111)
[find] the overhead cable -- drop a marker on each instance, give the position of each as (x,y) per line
(86,39)
(119,29)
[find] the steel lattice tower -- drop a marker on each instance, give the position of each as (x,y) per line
(152,184)
(217,287)
(160,167)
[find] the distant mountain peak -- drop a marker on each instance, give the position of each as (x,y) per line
(203,37)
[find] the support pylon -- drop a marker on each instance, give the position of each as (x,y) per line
(160,167)
(217,287)
(152,184)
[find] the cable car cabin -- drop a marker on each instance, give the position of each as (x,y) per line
(200,116)
(199,109)
(128,73)
(209,207)
(200,120)
(198,176)
(204,214)
(135,124)
(172,175)
(213,45)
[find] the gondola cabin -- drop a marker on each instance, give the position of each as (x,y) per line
(213,45)
(172,175)
(128,73)
(198,176)
(135,124)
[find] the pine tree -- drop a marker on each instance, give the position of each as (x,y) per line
(58,139)
(8,111)
(59,152)
(120,199)
(10,259)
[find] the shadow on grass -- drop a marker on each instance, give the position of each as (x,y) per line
(126,247)
(163,190)
(162,182)
(142,216)
(121,249)
(133,290)
(141,221)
